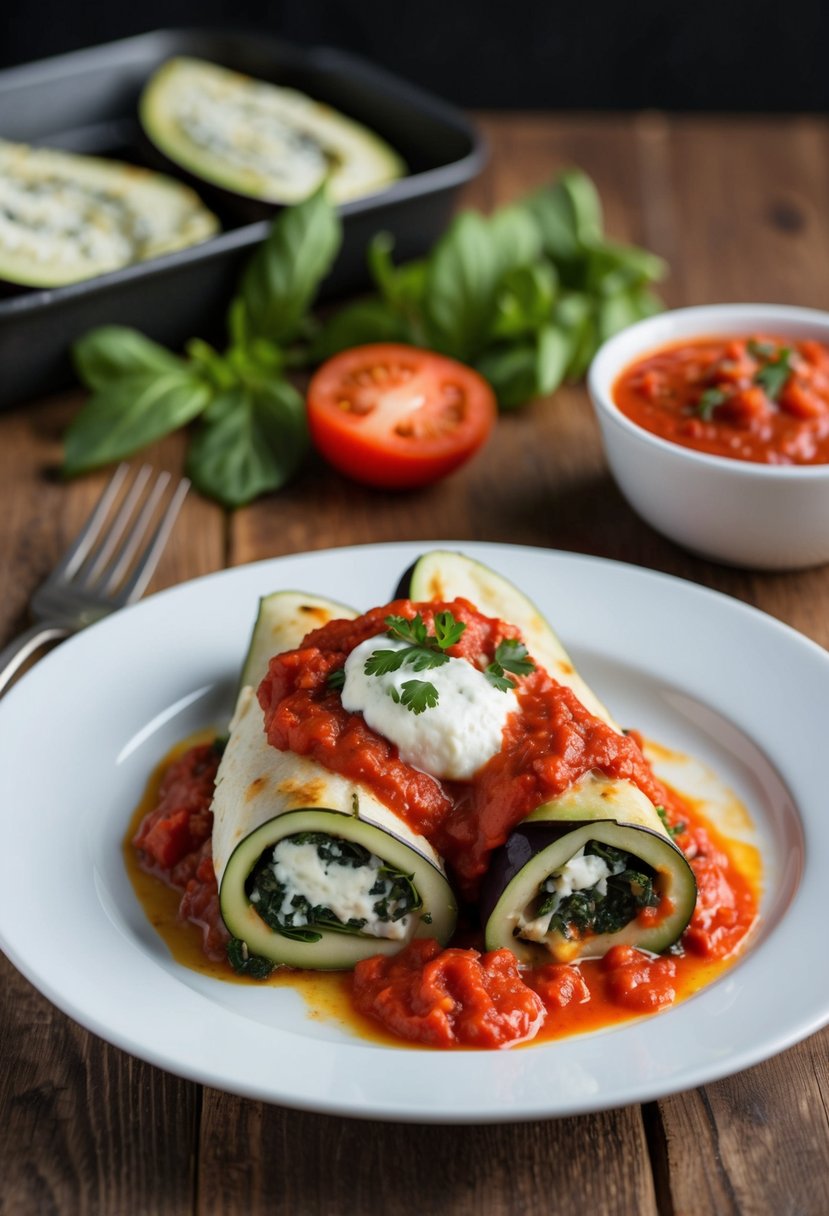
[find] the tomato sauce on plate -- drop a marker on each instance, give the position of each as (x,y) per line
(760,398)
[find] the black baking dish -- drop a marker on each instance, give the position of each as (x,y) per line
(86,102)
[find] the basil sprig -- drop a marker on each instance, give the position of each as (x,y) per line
(251,433)
(525,295)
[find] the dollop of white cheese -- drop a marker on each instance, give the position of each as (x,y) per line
(453,739)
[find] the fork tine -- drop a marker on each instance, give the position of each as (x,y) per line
(98,560)
(147,561)
(77,552)
(117,568)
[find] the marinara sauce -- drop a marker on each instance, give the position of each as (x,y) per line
(547,747)
(762,399)
(459,996)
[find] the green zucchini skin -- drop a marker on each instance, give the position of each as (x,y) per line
(282,621)
(538,849)
(444,575)
(334,951)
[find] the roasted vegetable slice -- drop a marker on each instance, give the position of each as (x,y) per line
(444,575)
(592,869)
(65,217)
(266,798)
(260,140)
(313,870)
(283,619)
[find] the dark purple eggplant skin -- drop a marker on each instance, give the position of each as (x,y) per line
(404,583)
(522,844)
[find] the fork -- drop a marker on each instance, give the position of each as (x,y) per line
(105,567)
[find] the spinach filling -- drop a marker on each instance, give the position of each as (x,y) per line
(294,915)
(606,907)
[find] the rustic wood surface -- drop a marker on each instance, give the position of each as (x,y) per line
(739,208)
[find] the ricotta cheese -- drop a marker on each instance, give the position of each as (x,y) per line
(453,739)
(350,892)
(581,873)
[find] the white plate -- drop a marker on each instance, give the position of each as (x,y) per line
(693,669)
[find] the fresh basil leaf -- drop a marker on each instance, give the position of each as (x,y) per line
(358,324)
(281,279)
(516,238)
(462,283)
(106,354)
(553,353)
(615,313)
(525,300)
(512,370)
(568,214)
(402,287)
(612,268)
(584,349)
(252,444)
(210,364)
(646,302)
(574,316)
(131,412)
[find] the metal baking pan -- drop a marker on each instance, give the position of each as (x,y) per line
(86,101)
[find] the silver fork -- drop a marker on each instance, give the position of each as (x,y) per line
(105,567)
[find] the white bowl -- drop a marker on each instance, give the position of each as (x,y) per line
(770,517)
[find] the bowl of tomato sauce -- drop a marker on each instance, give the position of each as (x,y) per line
(715,422)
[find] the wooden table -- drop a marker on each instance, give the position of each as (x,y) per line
(739,208)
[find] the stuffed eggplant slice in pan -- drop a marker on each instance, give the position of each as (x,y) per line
(313,870)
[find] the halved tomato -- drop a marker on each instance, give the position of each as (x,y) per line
(395,416)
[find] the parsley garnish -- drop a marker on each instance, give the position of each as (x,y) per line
(773,375)
(336,679)
(421,652)
(708,402)
(510,655)
(416,695)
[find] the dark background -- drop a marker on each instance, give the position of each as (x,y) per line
(544,54)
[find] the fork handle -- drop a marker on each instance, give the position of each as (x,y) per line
(23,647)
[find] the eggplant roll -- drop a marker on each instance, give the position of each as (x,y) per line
(577,875)
(313,870)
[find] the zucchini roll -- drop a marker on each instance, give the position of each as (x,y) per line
(591,869)
(313,870)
